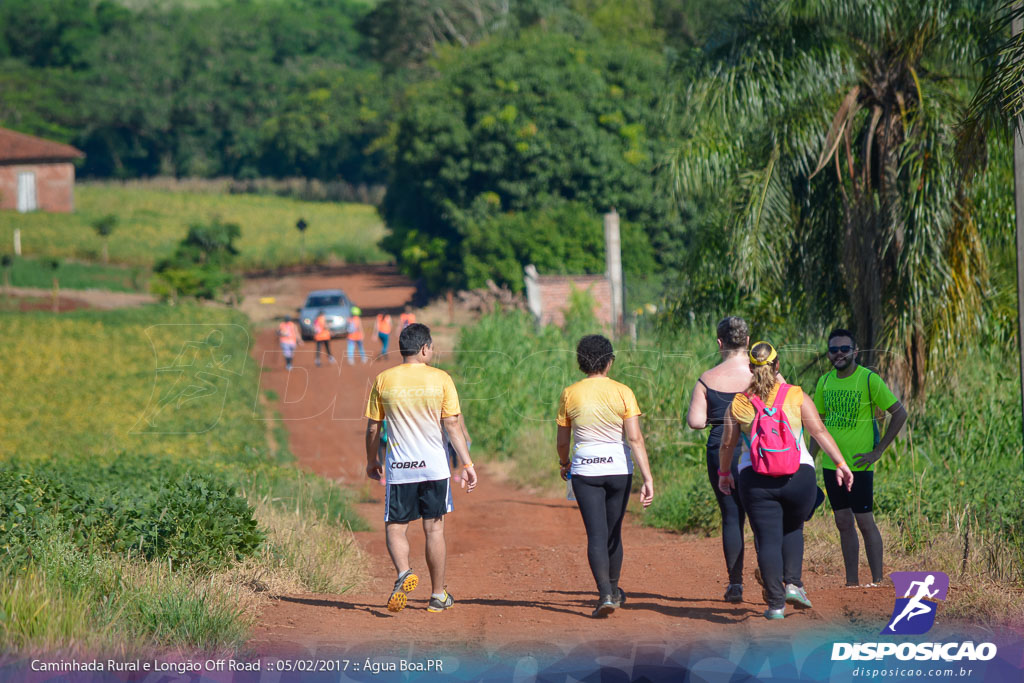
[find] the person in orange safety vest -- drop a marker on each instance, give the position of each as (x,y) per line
(407,318)
(288,335)
(355,335)
(322,335)
(383,330)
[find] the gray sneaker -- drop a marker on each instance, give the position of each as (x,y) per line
(775,613)
(405,584)
(620,598)
(436,605)
(796,595)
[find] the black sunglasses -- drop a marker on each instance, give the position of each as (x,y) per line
(845,348)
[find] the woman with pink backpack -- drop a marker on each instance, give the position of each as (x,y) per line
(776,474)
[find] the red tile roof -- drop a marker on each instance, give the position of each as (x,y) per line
(20,147)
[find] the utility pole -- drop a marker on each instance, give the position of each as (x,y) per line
(1017,25)
(613,262)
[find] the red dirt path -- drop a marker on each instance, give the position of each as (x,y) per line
(516,562)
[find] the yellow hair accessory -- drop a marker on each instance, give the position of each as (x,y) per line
(771,356)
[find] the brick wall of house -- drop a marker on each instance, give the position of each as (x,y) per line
(55,186)
(555,293)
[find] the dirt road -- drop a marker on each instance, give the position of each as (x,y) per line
(516,563)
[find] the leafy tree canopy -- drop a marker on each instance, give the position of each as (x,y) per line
(512,124)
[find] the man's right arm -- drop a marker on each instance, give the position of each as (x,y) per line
(373,468)
(374,417)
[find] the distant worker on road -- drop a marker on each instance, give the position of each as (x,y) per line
(355,335)
(288,334)
(383,330)
(322,336)
(408,317)
(416,400)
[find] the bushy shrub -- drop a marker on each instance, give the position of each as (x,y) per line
(199,266)
(149,507)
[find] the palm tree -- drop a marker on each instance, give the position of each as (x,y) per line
(826,128)
(999,99)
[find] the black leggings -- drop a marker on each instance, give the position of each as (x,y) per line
(777,508)
(733,516)
(602,502)
(327,347)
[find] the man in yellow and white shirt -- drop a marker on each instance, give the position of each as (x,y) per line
(416,399)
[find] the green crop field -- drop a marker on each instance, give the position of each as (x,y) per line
(76,275)
(140,498)
(152,221)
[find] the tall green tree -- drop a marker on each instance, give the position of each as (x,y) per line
(824,134)
(517,125)
(187,91)
(329,125)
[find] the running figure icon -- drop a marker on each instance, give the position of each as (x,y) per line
(916,606)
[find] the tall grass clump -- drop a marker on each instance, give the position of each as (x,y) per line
(953,480)
(140,500)
(70,599)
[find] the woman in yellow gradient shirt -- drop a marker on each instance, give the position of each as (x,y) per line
(603,420)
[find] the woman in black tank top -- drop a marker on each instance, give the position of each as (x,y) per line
(708,407)
(718,404)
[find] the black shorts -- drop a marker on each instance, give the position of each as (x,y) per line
(427,499)
(860,498)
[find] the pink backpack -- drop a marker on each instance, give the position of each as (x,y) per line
(774,449)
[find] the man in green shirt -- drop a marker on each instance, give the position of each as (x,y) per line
(847,399)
